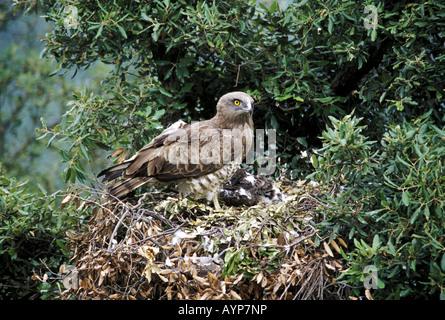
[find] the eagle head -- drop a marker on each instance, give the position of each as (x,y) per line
(235,108)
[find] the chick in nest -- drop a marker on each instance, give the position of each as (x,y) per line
(247,189)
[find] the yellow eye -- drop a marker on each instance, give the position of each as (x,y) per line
(236,102)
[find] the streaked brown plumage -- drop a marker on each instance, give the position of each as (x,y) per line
(172,156)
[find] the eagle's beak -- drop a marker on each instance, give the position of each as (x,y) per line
(250,108)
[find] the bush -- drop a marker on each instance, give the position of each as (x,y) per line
(32,239)
(389,205)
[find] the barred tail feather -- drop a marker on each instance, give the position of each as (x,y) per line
(114,172)
(124,186)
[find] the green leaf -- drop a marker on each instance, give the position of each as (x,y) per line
(42,189)
(389,182)
(327,100)
(405,198)
(373,35)
(122,32)
(99,32)
(165,92)
(314,161)
(382,97)
(84,152)
(64,122)
(68,173)
(187,87)
(442,263)
(414,216)
(25,213)
(380,283)
(391,249)
(144,16)
(394,272)
(148,110)
(274,122)
(61,244)
(158,114)
(426,212)
(274,7)
(169,73)
(330,25)
(376,243)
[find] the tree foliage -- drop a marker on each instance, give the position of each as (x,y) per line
(302,64)
(307,65)
(391,204)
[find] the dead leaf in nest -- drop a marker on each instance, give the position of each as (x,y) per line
(238,279)
(73,235)
(276,287)
(80,207)
(149,253)
(235,295)
(201,280)
(259,277)
(264,282)
(342,242)
(282,239)
(327,249)
(115,296)
(368,294)
(294,275)
(337,264)
(206,295)
(329,265)
(309,240)
(335,246)
(164,279)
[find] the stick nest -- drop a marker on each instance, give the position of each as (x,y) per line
(161,246)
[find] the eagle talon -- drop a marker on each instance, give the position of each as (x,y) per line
(216,202)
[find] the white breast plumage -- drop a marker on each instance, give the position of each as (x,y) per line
(209,185)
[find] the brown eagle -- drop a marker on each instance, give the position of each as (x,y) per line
(199,157)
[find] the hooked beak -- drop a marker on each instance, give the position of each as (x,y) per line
(250,108)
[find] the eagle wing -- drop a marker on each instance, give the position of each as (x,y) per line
(180,152)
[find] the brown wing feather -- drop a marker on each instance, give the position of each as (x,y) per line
(156,159)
